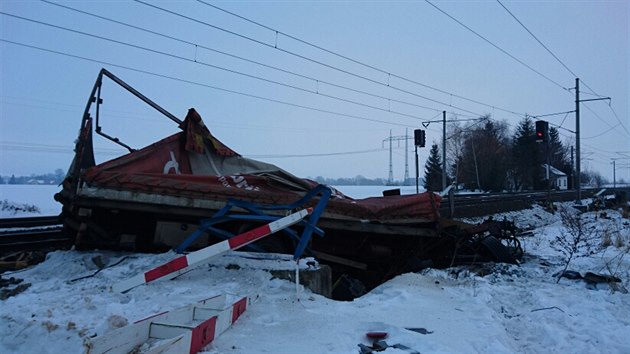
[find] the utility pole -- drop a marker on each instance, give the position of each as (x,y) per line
(577,134)
(572,169)
(443,150)
(426,124)
(614,160)
(406,157)
(417,172)
(577,140)
(390,180)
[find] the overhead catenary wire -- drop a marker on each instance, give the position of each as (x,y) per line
(314,155)
(194,61)
(537,40)
(146,72)
(562,63)
(50,148)
(242,58)
(565,116)
(496,46)
(383,71)
(600,134)
(306,58)
(345,71)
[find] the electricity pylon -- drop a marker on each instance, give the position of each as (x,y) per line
(406,138)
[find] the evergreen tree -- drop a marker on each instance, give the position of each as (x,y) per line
(12,180)
(433,170)
(527,157)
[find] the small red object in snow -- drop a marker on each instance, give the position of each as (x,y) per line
(377,335)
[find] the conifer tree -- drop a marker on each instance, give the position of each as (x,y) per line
(433,170)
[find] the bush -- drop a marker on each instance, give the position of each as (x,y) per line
(14,208)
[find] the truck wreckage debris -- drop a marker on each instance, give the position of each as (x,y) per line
(153,198)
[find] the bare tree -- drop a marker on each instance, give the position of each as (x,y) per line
(575,238)
(454,149)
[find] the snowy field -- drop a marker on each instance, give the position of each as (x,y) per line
(495,308)
(13,196)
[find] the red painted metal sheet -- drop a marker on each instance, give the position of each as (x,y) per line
(239,308)
(166,269)
(203,334)
(249,236)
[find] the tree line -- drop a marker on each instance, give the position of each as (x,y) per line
(47,178)
(486,156)
(359,180)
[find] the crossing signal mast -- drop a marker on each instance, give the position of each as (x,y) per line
(542,131)
(542,136)
(420,140)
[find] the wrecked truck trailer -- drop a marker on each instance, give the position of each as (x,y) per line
(153,198)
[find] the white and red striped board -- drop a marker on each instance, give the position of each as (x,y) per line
(185,263)
(185,330)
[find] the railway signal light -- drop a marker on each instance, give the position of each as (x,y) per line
(542,129)
(419,137)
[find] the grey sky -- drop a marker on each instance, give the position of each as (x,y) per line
(42,94)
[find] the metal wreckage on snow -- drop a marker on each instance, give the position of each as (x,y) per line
(189,190)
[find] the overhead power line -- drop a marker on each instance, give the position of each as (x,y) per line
(497,47)
(537,40)
(195,61)
(234,56)
(297,55)
(564,65)
(316,155)
(546,48)
(345,57)
(146,72)
(49,148)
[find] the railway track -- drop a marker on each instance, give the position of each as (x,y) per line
(31,233)
(472,205)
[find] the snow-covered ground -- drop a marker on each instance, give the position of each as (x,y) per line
(495,308)
(18,196)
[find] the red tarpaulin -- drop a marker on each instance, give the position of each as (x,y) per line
(195,164)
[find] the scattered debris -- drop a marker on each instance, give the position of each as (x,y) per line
(600,278)
(98,261)
(380,345)
(592,280)
(548,308)
(7,293)
(21,260)
(569,274)
(10,281)
(419,330)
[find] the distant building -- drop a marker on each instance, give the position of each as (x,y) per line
(558,178)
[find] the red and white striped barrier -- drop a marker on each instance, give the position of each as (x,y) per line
(185,263)
(185,330)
